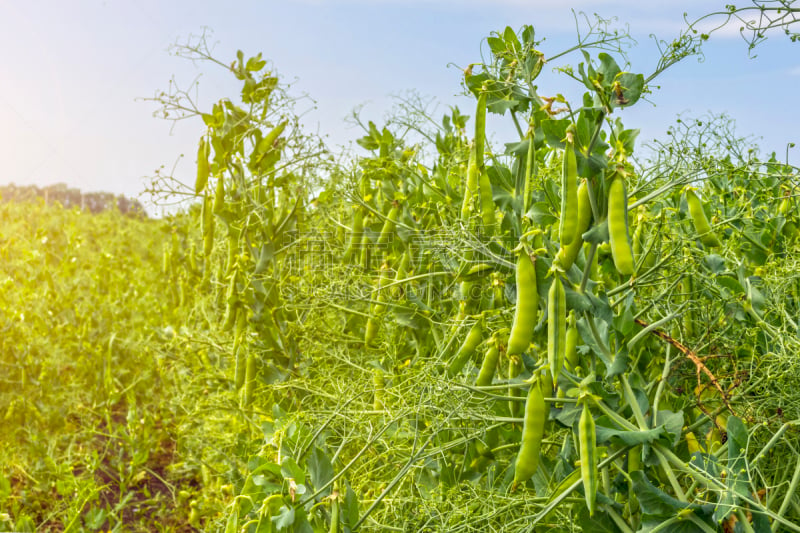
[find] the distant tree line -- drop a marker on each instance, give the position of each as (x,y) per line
(71,197)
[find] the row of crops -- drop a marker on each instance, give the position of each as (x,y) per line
(449,334)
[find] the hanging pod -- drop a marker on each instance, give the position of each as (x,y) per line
(700,221)
(568,225)
(527,311)
(619,239)
(532,432)
(556,327)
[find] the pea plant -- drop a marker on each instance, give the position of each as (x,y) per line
(556,334)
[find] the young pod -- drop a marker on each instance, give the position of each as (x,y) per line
(527,311)
(700,221)
(400,275)
(556,327)
(371,331)
(219,194)
(249,380)
(587,438)
(571,343)
(514,370)
(471,186)
(568,225)
(480,130)
(487,205)
(466,350)
(388,225)
(489,364)
(355,235)
(619,239)
(532,432)
(380,384)
(202,166)
(567,254)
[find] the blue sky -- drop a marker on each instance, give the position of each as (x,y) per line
(73,73)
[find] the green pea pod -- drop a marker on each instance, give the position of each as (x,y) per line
(193,257)
(202,166)
(687,288)
(208,226)
(380,385)
(487,205)
(371,331)
(268,142)
(219,194)
(489,364)
(532,433)
(400,275)
(514,370)
(238,351)
(619,239)
(388,225)
(378,307)
(480,130)
(471,186)
(571,344)
(466,350)
(587,438)
(568,225)
(567,254)
(355,235)
(700,221)
(498,291)
(527,310)
(249,380)
(556,327)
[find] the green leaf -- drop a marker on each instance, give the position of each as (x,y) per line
(597,234)
(285,518)
(578,301)
(290,470)
(94,518)
(628,438)
(729,283)
(673,425)
(654,501)
(512,42)
(623,322)
(675,524)
(496,45)
(586,334)
(555,130)
(501,105)
(320,468)
(540,214)
(601,522)
(619,365)
(738,478)
(350,507)
(608,68)
(631,87)
(715,263)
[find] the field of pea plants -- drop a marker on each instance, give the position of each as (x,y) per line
(561,331)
